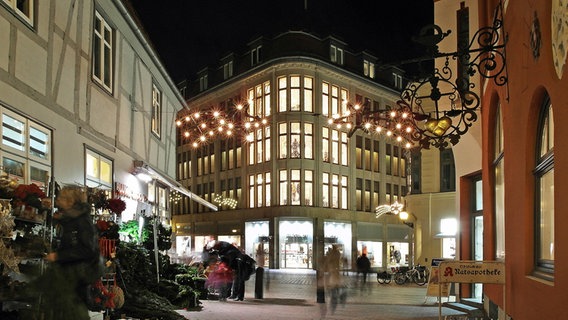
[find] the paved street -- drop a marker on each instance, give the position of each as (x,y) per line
(292,295)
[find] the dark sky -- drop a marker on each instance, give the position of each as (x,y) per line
(191,34)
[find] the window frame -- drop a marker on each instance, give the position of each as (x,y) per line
(156,121)
(28,17)
(99,57)
(544,165)
(95,181)
(24,155)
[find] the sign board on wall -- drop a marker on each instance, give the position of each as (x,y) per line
(472,272)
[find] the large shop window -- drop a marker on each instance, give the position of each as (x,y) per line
(544,192)
(103,52)
(98,170)
(296,244)
(26,149)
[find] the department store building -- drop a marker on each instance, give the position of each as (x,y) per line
(290,189)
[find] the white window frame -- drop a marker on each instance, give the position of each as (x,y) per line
(156,111)
(24,9)
(104,61)
(336,54)
(94,179)
(24,154)
(228,70)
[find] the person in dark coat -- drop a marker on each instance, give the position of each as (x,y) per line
(363,266)
(238,261)
(76,260)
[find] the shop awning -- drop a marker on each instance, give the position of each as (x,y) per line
(141,167)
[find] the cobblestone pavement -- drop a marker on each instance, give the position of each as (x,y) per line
(290,294)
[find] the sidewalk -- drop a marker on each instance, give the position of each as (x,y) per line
(289,294)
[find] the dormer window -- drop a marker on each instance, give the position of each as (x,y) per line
(255,55)
(369,69)
(397,80)
(203,83)
(336,54)
(228,70)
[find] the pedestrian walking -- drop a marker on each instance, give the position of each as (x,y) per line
(363,266)
(76,262)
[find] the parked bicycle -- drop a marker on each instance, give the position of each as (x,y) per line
(385,277)
(417,274)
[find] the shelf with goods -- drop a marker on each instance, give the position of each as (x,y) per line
(26,235)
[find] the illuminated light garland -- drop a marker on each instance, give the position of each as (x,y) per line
(204,126)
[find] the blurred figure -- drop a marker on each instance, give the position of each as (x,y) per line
(363,266)
(220,279)
(75,263)
(333,279)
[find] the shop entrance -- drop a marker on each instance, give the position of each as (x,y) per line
(296,244)
(297,253)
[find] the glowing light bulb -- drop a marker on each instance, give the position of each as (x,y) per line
(202,138)
(389,133)
(398,125)
(196,115)
(178,123)
(186,134)
(393,114)
(216,114)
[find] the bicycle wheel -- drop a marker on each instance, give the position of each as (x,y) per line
(380,278)
(399,278)
(388,278)
(419,278)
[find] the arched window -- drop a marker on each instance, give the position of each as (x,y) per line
(544,191)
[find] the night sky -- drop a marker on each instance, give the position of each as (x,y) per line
(191,34)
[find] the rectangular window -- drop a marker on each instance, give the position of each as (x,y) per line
(103,52)
(25,149)
(376,195)
(267,182)
(23,8)
(367,195)
(344,149)
(156,111)
(359,152)
(203,83)
(336,54)
(260,189)
(98,170)
(308,188)
(255,55)
(283,140)
(295,137)
(376,156)
(295,93)
(368,69)
(335,147)
(325,99)
(283,183)
(344,194)
(388,159)
(325,190)
(295,187)
(334,191)
(325,144)
(228,70)
(308,94)
(308,141)
(282,94)
(368,154)
(359,193)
